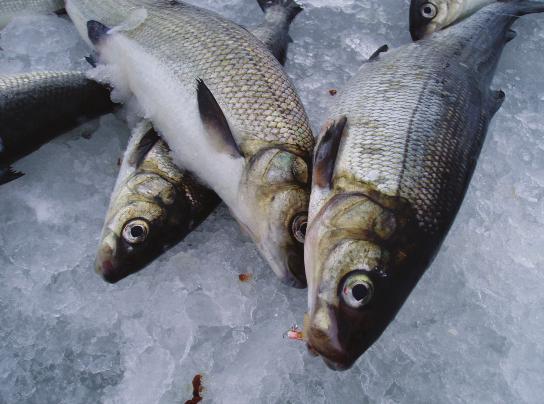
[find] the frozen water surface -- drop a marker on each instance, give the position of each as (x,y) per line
(471,331)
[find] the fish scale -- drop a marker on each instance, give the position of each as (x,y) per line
(408,153)
(232,76)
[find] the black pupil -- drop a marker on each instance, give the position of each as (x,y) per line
(359,292)
(137,231)
(428,10)
(302,228)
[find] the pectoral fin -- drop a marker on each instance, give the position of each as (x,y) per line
(214,121)
(96,31)
(327,151)
(143,147)
(495,101)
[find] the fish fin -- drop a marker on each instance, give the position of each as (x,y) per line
(495,101)
(291,7)
(381,49)
(9,174)
(510,34)
(143,147)
(96,31)
(215,122)
(91,60)
(327,151)
(523,7)
(61,11)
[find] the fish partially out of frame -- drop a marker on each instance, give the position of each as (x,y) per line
(391,170)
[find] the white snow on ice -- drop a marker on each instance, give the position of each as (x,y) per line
(471,331)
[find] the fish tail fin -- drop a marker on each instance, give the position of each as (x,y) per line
(8,175)
(524,7)
(290,6)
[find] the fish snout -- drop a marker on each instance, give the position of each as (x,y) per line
(105,264)
(325,339)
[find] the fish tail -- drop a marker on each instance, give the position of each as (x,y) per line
(523,7)
(290,6)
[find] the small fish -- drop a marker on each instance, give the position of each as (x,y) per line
(35,107)
(13,8)
(224,105)
(154,206)
(391,170)
(428,16)
(148,173)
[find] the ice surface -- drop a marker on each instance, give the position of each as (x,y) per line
(471,331)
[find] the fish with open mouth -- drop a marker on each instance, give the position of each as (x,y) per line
(391,169)
(428,16)
(35,107)
(155,203)
(13,8)
(223,104)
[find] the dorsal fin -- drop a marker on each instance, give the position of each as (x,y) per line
(96,31)
(145,144)
(381,49)
(327,151)
(214,121)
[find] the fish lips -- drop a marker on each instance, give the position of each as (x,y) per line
(343,340)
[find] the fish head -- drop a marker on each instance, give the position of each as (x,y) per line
(354,288)
(146,217)
(428,16)
(276,190)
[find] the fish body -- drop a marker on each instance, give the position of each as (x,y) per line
(223,104)
(155,198)
(35,107)
(391,170)
(13,8)
(428,16)
(155,204)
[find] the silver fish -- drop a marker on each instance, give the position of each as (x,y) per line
(13,8)
(223,104)
(156,203)
(390,172)
(35,107)
(428,16)
(154,206)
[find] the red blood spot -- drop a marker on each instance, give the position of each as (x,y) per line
(107,266)
(197,389)
(245,277)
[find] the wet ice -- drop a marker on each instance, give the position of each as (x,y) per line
(470,332)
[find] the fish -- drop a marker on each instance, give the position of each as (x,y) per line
(428,16)
(223,104)
(157,200)
(391,168)
(35,107)
(13,8)
(155,204)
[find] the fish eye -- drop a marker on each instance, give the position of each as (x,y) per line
(135,231)
(357,291)
(428,10)
(298,227)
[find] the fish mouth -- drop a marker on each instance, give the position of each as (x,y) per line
(107,267)
(335,359)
